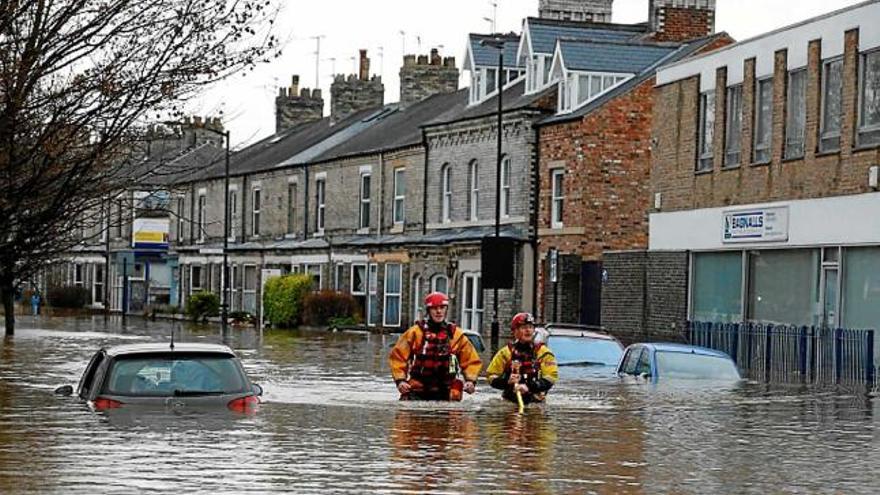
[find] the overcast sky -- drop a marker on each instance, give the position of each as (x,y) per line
(248,102)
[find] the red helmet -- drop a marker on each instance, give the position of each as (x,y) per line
(435,299)
(521,319)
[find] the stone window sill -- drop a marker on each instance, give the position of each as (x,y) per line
(704,172)
(821,154)
(762,164)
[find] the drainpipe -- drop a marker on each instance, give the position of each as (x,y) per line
(535,215)
(425,184)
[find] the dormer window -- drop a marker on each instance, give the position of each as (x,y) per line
(579,88)
(484,81)
(538,75)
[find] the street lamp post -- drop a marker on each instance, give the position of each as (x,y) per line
(224,307)
(497,43)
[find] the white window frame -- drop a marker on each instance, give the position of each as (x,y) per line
(307,269)
(365,196)
(387,295)
(470,309)
(256,207)
(416,298)
(79,275)
(233,212)
(202,205)
(398,210)
(505,187)
(320,204)
(473,190)
(339,277)
(569,87)
(193,288)
(98,282)
(245,291)
(235,273)
(557,205)
(372,292)
(446,193)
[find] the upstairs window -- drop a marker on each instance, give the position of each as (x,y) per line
(869,100)
(364,215)
(474,187)
(291,208)
(320,205)
(733,129)
(707,132)
(446,194)
(558,198)
(763,120)
(399,195)
(505,186)
(832,103)
(578,88)
(257,205)
(796,115)
(233,212)
(201,217)
(180,218)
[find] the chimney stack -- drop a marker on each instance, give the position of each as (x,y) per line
(295,106)
(576,10)
(681,20)
(357,92)
(364,66)
(425,76)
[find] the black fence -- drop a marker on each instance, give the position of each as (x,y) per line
(792,354)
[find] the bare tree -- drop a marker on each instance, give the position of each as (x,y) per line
(77,80)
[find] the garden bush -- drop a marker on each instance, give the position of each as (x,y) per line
(283,299)
(68,296)
(202,305)
(322,308)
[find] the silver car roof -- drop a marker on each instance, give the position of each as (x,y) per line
(166,347)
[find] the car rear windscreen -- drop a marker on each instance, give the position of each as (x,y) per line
(175,375)
(695,366)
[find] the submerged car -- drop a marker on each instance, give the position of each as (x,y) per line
(677,362)
(168,375)
(576,345)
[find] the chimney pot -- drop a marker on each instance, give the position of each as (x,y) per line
(435,57)
(409,60)
(316,94)
(304,93)
(449,62)
(364,66)
(423,60)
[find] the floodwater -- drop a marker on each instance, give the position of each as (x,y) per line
(330,423)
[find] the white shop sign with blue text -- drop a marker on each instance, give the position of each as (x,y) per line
(756,225)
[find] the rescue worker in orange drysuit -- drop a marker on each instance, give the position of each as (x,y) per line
(434,359)
(523,366)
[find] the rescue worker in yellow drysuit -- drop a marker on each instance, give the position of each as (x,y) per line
(523,366)
(434,359)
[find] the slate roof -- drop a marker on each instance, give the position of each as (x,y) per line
(514,99)
(488,55)
(617,57)
(684,51)
(543,33)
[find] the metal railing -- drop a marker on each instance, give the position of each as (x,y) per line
(792,354)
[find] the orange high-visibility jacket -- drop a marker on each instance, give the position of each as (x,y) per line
(412,339)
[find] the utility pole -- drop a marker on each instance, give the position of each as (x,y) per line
(403,41)
(382,61)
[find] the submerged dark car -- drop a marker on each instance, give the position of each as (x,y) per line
(178,375)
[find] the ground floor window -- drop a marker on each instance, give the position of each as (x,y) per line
(98,285)
(861,288)
(359,286)
(417,298)
(393,285)
(717,283)
(315,272)
(472,302)
(373,296)
(784,286)
(249,289)
(439,283)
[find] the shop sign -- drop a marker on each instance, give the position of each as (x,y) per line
(756,225)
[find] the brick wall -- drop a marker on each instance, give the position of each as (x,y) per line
(645,295)
(816,175)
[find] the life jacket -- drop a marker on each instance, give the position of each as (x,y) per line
(529,366)
(432,362)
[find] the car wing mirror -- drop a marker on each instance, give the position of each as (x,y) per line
(65,390)
(258,390)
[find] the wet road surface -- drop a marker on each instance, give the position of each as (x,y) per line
(331,423)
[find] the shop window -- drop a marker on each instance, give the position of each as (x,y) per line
(716,291)
(784,286)
(861,289)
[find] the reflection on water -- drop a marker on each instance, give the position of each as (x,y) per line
(332,423)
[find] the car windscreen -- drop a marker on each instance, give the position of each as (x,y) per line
(695,366)
(585,350)
(171,375)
